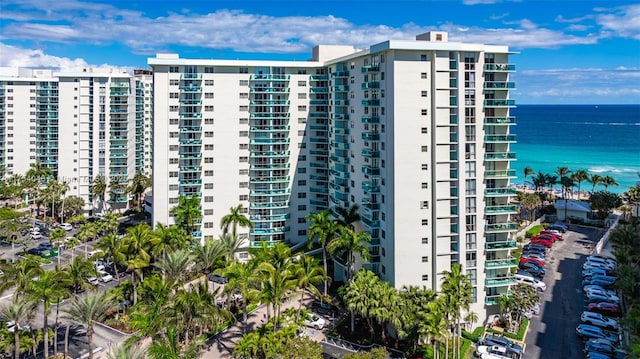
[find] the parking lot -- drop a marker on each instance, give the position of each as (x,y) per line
(552,334)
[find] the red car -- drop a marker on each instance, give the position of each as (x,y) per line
(545,241)
(605,308)
(525,259)
(552,235)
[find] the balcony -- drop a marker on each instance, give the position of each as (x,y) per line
(374,102)
(372,171)
(499,85)
(500,174)
(499,281)
(499,103)
(191,76)
(341,88)
(187,129)
(371,136)
(371,119)
(500,192)
(495,246)
(501,209)
(370,187)
(190,102)
(500,227)
(367,152)
(510,120)
(371,85)
(499,67)
(370,223)
(501,263)
(500,156)
(190,115)
(366,203)
(499,138)
(270,77)
(370,68)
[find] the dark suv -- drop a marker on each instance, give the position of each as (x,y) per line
(217,278)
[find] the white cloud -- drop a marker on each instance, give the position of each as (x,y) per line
(624,21)
(479,2)
(13,56)
(74,21)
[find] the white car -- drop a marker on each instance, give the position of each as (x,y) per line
(493,352)
(93,280)
(314,321)
(66,226)
(94,252)
(598,289)
(599,320)
(36,235)
(104,276)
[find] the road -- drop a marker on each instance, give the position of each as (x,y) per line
(552,334)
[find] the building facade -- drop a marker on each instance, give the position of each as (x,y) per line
(416,133)
(79,125)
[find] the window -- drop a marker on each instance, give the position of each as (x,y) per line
(208,95)
(471,223)
(302,220)
(425,222)
(208,108)
(302,107)
(423,57)
(424,112)
(423,75)
(302,232)
(173,174)
(208,173)
(243,185)
(175,82)
(302,195)
(424,148)
(302,120)
(424,93)
(470,203)
(243,70)
(425,277)
(173,200)
(208,198)
(302,95)
(424,130)
(243,146)
(244,95)
(425,240)
(173,161)
(208,147)
(208,160)
(425,259)
(208,82)
(302,207)
(243,159)
(243,197)
(470,169)
(301,133)
(470,187)
(302,170)
(302,182)
(208,212)
(425,166)
(424,185)
(208,186)
(174,187)
(244,133)
(244,121)
(208,121)
(302,83)
(174,95)
(174,69)
(471,241)
(208,134)
(424,204)
(244,82)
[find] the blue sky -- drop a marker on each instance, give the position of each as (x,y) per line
(572,51)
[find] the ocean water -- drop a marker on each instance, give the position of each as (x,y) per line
(603,139)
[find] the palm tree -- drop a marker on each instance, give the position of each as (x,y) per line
(531,201)
(136,248)
(234,219)
(87,310)
(187,212)
(37,175)
(111,246)
(175,265)
(19,312)
(169,347)
(348,216)
(84,233)
(308,274)
(595,179)
(563,172)
(56,237)
(357,296)
(117,187)
(50,286)
(231,245)
(137,186)
(580,176)
(348,244)
(275,283)
(209,255)
(168,238)
(324,230)
(127,351)
(539,182)
(242,277)
(99,187)
(79,270)
(609,181)
(63,188)
(528,171)
(20,274)
(457,287)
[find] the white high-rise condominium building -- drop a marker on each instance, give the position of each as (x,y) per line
(79,125)
(417,133)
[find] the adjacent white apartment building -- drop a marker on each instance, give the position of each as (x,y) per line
(417,133)
(80,124)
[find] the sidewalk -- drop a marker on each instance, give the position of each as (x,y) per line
(221,345)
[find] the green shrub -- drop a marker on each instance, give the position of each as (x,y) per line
(521,332)
(533,231)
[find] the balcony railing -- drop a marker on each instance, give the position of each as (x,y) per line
(500,245)
(501,227)
(498,192)
(501,263)
(500,174)
(510,120)
(499,67)
(504,209)
(500,281)
(500,85)
(500,156)
(499,103)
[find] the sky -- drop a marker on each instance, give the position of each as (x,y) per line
(569,52)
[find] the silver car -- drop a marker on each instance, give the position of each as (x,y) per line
(599,320)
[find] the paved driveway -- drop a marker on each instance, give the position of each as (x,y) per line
(552,334)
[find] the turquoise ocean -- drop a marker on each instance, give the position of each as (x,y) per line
(603,139)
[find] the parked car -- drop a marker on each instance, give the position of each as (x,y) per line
(495,352)
(595,265)
(541,252)
(603,260)
(532,268)
(597,289)
(604,281)
(95,252)
(104,276)
(217,278)
(543,241)
(595,271)
(490,340)
(544,236)
(599,297)
(556,237)
(586,331)
(93,280)
(610,309)
(35,251)
(36,236)
(537,256)
(599,320)
(618,354)
(324,307)
(599,345)
(539,247)
(532,259)
(314,321)
(538,285)
(45,246)
(66,226)
(559,226)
